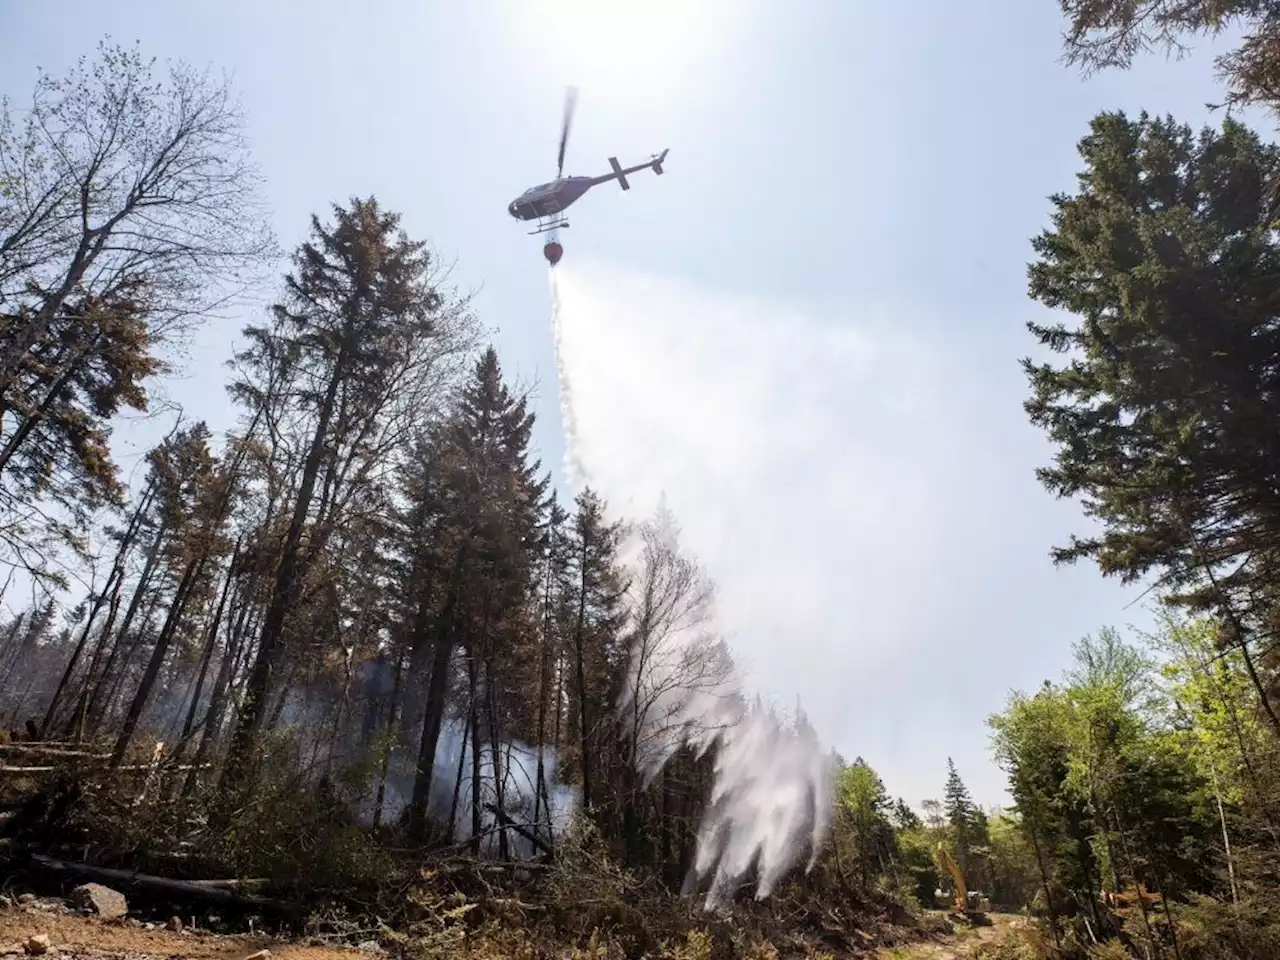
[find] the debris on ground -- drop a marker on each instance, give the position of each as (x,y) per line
(101,900)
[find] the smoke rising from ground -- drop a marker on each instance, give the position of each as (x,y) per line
(771,800)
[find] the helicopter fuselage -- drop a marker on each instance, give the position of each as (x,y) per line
(549,199)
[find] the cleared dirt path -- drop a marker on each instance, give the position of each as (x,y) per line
(961,945)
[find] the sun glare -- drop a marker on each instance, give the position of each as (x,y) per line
(637,53)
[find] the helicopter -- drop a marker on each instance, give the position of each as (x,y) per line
(547,202)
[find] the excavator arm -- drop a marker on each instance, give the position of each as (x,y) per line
(957,878)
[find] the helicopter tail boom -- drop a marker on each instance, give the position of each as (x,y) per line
(654,163)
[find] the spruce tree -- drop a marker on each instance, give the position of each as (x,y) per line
(1163,408)
(597,617)
(359,302)
(960,811)
(490,496)
(1109,33)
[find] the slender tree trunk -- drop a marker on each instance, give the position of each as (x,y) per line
(282,698)
(74,729)
(113,682)
(1044,883)
(112,585)
(211,642)
(288,578)
(14,648)
(544,681)
(557,741)
(8,582)
(1241,633)
(77,653)
(462,763)
(579,642)
(220,695)
(1226,839)
(96,706)
(477,800)
(495,745)
(436,690)
(390,733)
(158,655)
(1139,886)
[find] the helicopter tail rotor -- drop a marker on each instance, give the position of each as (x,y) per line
(570,102)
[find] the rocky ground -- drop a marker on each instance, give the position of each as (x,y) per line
(94,928)
(94,923)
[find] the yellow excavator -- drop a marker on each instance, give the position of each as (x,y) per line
(973,906)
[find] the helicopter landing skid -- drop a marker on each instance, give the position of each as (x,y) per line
(548,225)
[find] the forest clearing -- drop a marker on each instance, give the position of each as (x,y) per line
(357,674)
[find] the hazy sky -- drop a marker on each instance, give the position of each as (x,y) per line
(806,333)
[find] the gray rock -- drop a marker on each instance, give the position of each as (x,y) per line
(38,944)
(105,902)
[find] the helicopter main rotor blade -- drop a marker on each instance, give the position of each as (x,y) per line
(570,101)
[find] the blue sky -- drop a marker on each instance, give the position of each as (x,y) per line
(847,179)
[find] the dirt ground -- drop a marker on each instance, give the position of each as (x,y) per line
(88,937)
(73,937)
(960,945)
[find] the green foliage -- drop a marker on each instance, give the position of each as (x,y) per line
(1011,876)
(968,829)
(917,846)
(1117,790)
(863,807)
(1109,33)
(1163,410)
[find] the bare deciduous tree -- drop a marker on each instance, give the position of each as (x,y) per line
(677,664)
(128,212)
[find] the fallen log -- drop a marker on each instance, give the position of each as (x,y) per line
(144,883)
(504,818)
(128,766)
(447,867)
(51,751)
(230,884)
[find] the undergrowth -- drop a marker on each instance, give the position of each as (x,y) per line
(298,839)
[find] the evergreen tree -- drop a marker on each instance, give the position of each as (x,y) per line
(1108,33)
(865,804)
(598,660)
(93,361)
(904,818)
(489,498)
(1164,413)
(356,311)
(960,815)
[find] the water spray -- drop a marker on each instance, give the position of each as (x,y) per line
(772,796)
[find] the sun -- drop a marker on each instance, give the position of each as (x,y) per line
(627,52)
